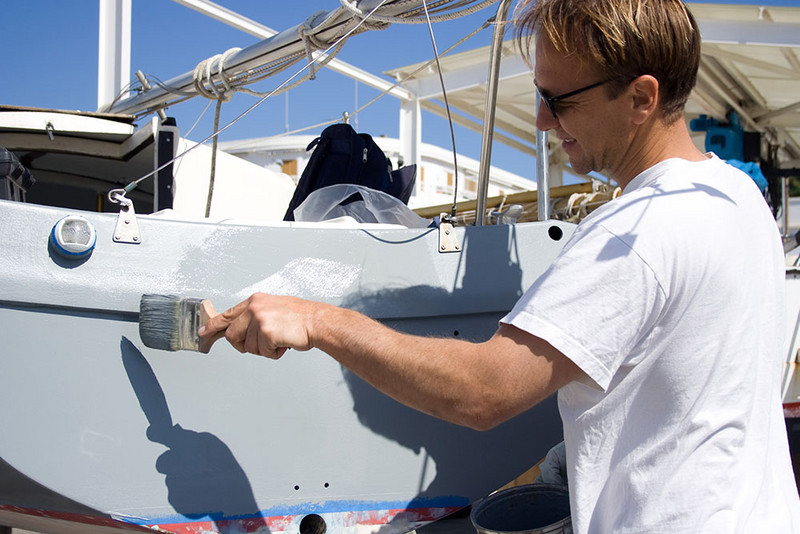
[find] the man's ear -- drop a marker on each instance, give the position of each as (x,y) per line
(644,90)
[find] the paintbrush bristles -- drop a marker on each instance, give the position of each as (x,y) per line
(167,322)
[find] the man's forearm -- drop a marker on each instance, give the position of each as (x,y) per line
(474,384)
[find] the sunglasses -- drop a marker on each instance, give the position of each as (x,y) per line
(551,101)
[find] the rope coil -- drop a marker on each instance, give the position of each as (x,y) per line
(204,74)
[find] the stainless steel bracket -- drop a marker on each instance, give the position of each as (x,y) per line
(448,242)
(126,229)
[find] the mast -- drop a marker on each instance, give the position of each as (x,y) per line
(113,50)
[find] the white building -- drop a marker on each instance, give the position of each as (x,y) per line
(435,181)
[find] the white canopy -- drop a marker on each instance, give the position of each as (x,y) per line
(750,65)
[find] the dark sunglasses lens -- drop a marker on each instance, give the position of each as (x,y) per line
(550,106)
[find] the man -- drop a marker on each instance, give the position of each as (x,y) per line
(659,323)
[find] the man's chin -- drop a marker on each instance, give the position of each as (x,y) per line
(579,167)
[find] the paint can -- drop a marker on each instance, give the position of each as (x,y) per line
(528,509)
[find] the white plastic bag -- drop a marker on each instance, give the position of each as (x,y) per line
(376,207)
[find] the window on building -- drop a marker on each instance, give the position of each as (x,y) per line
(289,167)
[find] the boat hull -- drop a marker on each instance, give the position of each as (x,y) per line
(117,435)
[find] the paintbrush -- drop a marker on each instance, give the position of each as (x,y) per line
(168,322)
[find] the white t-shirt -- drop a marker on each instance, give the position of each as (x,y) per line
(670,299)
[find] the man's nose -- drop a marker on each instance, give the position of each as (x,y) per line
(544,118)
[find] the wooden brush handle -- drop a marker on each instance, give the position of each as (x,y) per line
(206,312)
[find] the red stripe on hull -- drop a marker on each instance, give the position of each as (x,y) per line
(335,521)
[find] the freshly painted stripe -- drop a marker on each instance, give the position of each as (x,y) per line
(341,514)
(328,507)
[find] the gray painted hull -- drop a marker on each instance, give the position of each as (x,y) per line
(101,431)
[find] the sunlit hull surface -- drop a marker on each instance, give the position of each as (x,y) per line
(100,430)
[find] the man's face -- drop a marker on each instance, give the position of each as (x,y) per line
(591,126)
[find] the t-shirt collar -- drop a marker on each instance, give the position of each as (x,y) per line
(647,175)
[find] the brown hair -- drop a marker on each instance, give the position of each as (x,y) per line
(622,38)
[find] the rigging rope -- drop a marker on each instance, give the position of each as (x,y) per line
(213,174)
(115,195)
(222,91)
(203,74)
(373,20)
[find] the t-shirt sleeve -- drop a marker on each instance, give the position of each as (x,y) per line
(595,303)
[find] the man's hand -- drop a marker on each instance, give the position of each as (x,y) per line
(263,324)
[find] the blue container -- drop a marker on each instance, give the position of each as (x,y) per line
(529,509)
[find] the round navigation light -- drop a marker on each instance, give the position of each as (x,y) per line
(73,237)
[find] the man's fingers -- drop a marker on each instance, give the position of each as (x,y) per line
(221,322)
(236,333)
(258,341)
(255,326)
(251,339)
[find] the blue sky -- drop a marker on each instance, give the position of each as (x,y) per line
(50,53)
(49,50)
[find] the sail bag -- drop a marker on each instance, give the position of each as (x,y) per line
(342,156)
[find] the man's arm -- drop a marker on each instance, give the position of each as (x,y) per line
(479,385)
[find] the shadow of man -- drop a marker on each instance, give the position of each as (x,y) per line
(466,462)
(459,464)
(202,475)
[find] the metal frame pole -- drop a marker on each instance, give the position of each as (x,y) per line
(542,170)
(113,50)
(489,111)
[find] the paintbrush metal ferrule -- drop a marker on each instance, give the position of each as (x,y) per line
(189,322)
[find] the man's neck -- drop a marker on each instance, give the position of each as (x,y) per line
(653,144)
